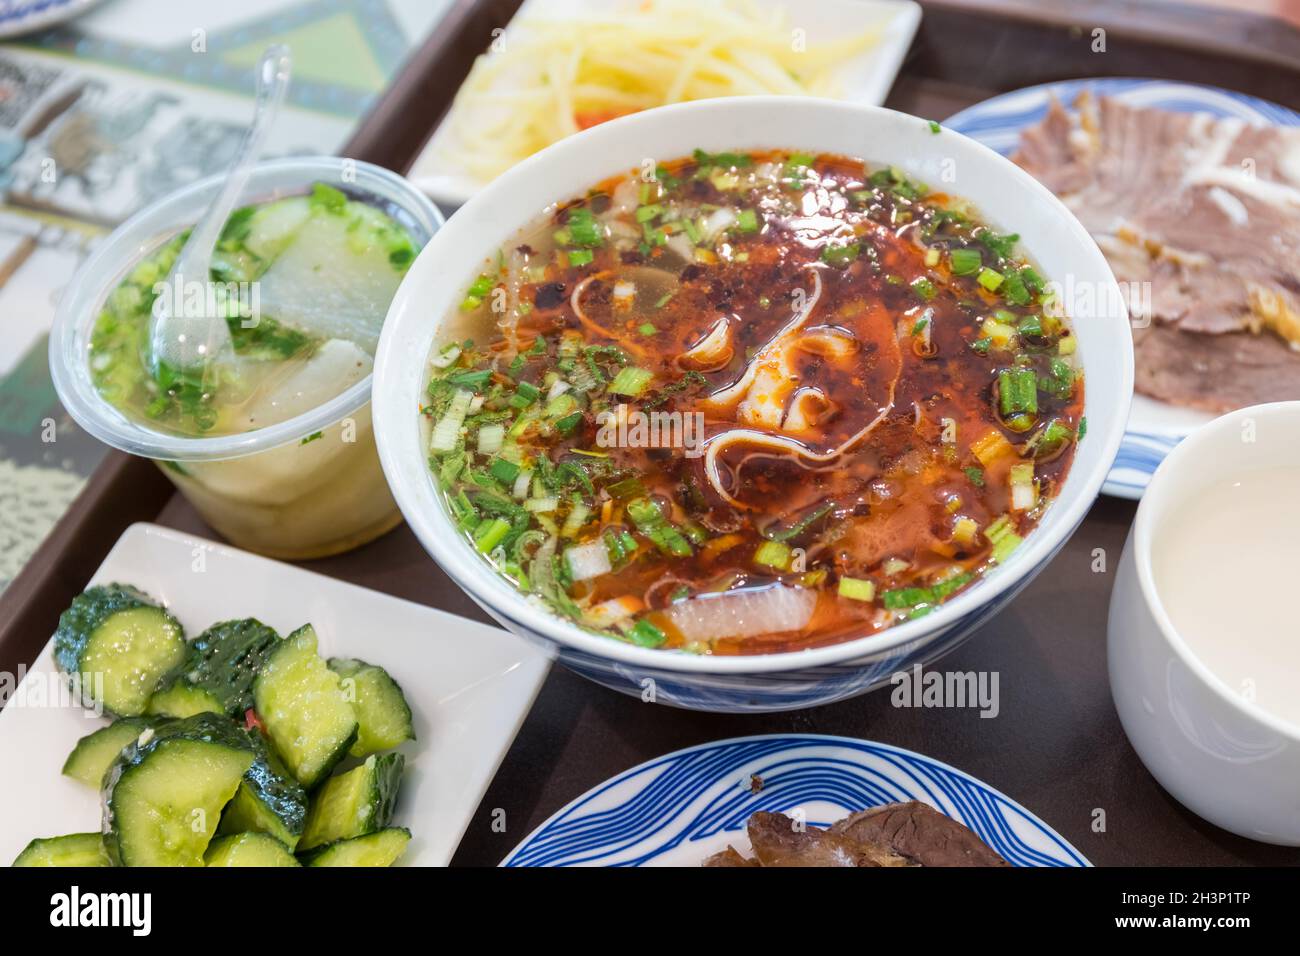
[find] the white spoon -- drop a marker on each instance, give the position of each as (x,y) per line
(196,339)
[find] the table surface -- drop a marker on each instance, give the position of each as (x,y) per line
(1055,746)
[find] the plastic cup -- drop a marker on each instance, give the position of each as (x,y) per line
(303,488)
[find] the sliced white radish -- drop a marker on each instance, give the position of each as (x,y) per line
(769,610)
(588,560)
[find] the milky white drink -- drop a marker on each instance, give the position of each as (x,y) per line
(1225,572)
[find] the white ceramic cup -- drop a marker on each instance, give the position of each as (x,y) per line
(1217,752)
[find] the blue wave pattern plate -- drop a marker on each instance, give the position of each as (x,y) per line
(679,809)
(1154,428)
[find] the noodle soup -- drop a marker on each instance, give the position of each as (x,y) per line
(753,402)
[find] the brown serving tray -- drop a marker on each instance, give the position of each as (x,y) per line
(1056,745)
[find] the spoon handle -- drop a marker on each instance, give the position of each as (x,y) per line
(272,86)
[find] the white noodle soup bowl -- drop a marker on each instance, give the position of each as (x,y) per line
(1007,199)
(1216,750)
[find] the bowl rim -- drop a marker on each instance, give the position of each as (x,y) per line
(136,238)
(1164,484)
(428,519)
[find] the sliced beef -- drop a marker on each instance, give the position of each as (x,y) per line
(1217,373)
(730,857)
(920,834)
(1199,219)
(778,841)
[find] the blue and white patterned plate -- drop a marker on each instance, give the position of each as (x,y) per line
(679,809)
(1154,428)
(25,16)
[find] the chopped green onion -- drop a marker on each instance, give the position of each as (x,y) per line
(650,521)
(446,434)
(491,438)
(1060,383)
(525,394)
(581,257)
(1050,439)
(935,127)
(491,533)
(1024,494)
(646,213)
(1018,391)
(647,328)
(773,554)
(577,517)
(630,381)
(802,525)
(924,288)
(476,293)
(1004,546)
(747,221)
(841,256)
(1001,246)
(965,262)
(567,424)
(857,589)
(584,230)
(627,488)
(1030,325)
(646,634)
(976,476)
(504,471)
(1013,288)
(899,599)
(998,529)
(989,279)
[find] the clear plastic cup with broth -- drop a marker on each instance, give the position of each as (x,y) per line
(273,447)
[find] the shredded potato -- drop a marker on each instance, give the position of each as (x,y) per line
(547,78)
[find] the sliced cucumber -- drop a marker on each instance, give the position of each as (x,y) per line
(218,670)
(182,699)
(95,752)
(75,849)
(164,794)
(382,848)
(383,715)
(249,849)
(302,705)
(268,801)
(354,803)
(117,642)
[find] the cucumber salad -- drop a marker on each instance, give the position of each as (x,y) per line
(238,747)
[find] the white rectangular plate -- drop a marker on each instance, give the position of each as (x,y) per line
(470,686)
(863,79)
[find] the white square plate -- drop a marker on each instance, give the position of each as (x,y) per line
(470,686)
(865,78)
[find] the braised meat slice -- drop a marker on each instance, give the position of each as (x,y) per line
(779,840)
(919,834)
